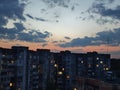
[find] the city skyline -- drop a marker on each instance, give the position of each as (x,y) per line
(79,26)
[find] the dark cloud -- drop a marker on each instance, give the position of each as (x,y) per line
(19,26)
(105,1)
(55,42)
(102,9)
(33,36)
(31,17)
(35,18)
(19,34)
(105,37)
(72,8)
(60,41)
(67,37)
(41,19)
(14,10)
(3,21)
(11,10)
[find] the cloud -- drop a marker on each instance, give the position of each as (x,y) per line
(33,36)
(31,17)
(18,33)
(105,37)
(40,19)
(67,37)
(14,10)
(36,18)
(19,26)
(101,8)
(43,45)
(11,10)
(55,42)
(73,8)
(53,3)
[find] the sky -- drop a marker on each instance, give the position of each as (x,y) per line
(77,25)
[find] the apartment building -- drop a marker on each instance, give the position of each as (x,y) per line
(24,69)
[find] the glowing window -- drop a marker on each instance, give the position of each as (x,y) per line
(55,65)
(97,65)
(81,61)
(11,84)
(63,69)
(101,62)
(75,89)
(34,66)
(60,73)
(67,76)
(97,58)
(107,69)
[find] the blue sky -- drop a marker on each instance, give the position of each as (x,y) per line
(62,24)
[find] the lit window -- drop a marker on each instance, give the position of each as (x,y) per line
(55,65)
(97,65)
(34,66)
(60,73)
(101,62)
(107,69)
(12,61)
(81,61)
(67,76)
(63,69)
(3,55)
(11,84)
(97,58)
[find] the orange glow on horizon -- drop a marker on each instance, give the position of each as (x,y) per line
(54,48)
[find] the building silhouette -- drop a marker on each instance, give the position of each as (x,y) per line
(24,69)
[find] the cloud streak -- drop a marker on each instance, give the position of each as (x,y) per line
(36,18)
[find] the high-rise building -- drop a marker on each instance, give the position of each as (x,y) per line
(21,67)
(97,65)
(8,69)
(24,69)
(44,58)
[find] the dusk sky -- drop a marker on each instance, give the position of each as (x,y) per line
(77,25)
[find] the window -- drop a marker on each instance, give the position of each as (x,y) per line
(97,65)
(101,62)
(60,73)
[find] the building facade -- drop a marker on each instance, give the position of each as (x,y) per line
(24,69)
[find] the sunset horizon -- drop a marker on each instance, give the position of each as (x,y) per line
(79,26)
